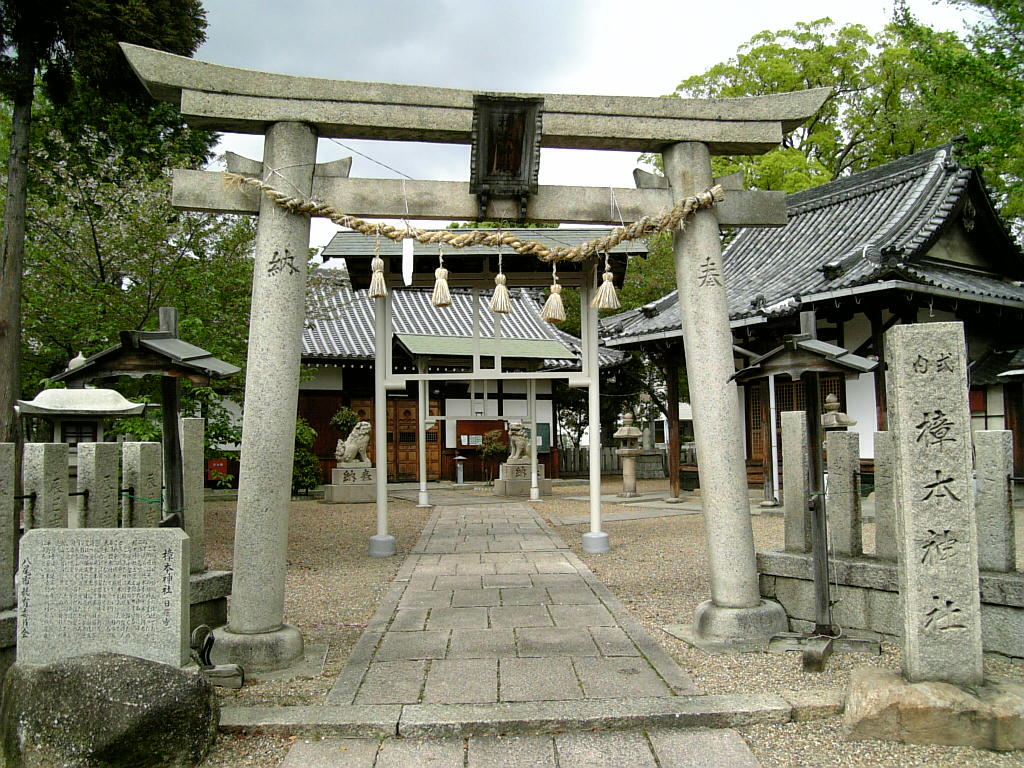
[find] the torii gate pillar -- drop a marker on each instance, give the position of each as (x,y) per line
(256,636)
(736,615)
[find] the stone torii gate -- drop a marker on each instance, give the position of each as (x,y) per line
(292,112)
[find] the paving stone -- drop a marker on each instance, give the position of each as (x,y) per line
(619,678)
(462,681)
(508,580)
(409,620)
(511,557)
(538,680)
(457,582)
(433,569)
(515,567)
(612,641)
(559,580)
(701,748)
(519,750)
(457,618)
(481,643)
(524,596)
(537,545)
(520,616)
(426,599)
(403,753)
(605,749)
(479,569)
(554,566)
(555,641)
(332,753)
(572,595)
(581,616)
(468,598)
(392,682)
(397,646)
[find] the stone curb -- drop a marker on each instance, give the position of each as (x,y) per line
(436,720)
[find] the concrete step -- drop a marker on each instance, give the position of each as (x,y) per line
(465,720)
(667,748)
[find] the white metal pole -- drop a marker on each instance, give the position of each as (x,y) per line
(531,406)
(773,435)
(421,406)
(596,541)
(381,545)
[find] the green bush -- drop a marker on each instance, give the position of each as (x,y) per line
(344,421)
(305,465)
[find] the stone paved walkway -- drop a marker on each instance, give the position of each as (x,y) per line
(656,748)
(491,607)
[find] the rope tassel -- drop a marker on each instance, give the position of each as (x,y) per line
(501,302)
(554,310)
(606,298)
(441,297)
(378,289)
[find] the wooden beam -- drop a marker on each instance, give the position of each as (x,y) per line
(452,200)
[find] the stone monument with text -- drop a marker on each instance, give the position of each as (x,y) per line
(935,527)
(94,590)
(514,474)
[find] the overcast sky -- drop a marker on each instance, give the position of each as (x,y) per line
(629,47)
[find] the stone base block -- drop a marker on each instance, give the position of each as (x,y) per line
(520,487)
(362,493)
(731,630)
(519,471)
(259,652)
(649,465)
(881,705)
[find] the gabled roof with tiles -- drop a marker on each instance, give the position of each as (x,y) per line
(853,235)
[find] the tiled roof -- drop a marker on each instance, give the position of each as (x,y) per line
(872,226)
(341,327)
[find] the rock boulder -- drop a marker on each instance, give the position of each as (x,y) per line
(105,710)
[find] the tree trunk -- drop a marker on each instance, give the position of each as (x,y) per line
(12,247)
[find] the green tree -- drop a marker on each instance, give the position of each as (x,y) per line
(877,111)
(978,87)
(69,45)
(305,464)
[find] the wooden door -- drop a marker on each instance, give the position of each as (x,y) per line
(403,436)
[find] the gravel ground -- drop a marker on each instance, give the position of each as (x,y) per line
(656,567)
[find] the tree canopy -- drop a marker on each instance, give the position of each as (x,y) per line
(69,47)
(979,88)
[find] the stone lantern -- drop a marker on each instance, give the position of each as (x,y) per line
(629,449)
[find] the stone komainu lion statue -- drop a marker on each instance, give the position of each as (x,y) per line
(353,448)
(518,438)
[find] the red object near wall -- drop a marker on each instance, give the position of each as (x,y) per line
(216,465)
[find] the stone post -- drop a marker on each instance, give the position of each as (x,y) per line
(735,613)
(843,501)
(935,522)
(993,461)
(97,478)
(141,506)
(795,471)
(256,636)
(45,474)
(885,508)
(193,468)
(10,519)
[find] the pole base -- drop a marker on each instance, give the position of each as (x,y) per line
(717,629)
(423,500)
(595,543)
(535,494)
(382,546)
(258,652)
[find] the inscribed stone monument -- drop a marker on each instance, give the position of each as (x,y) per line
(91,590)
(935,521)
